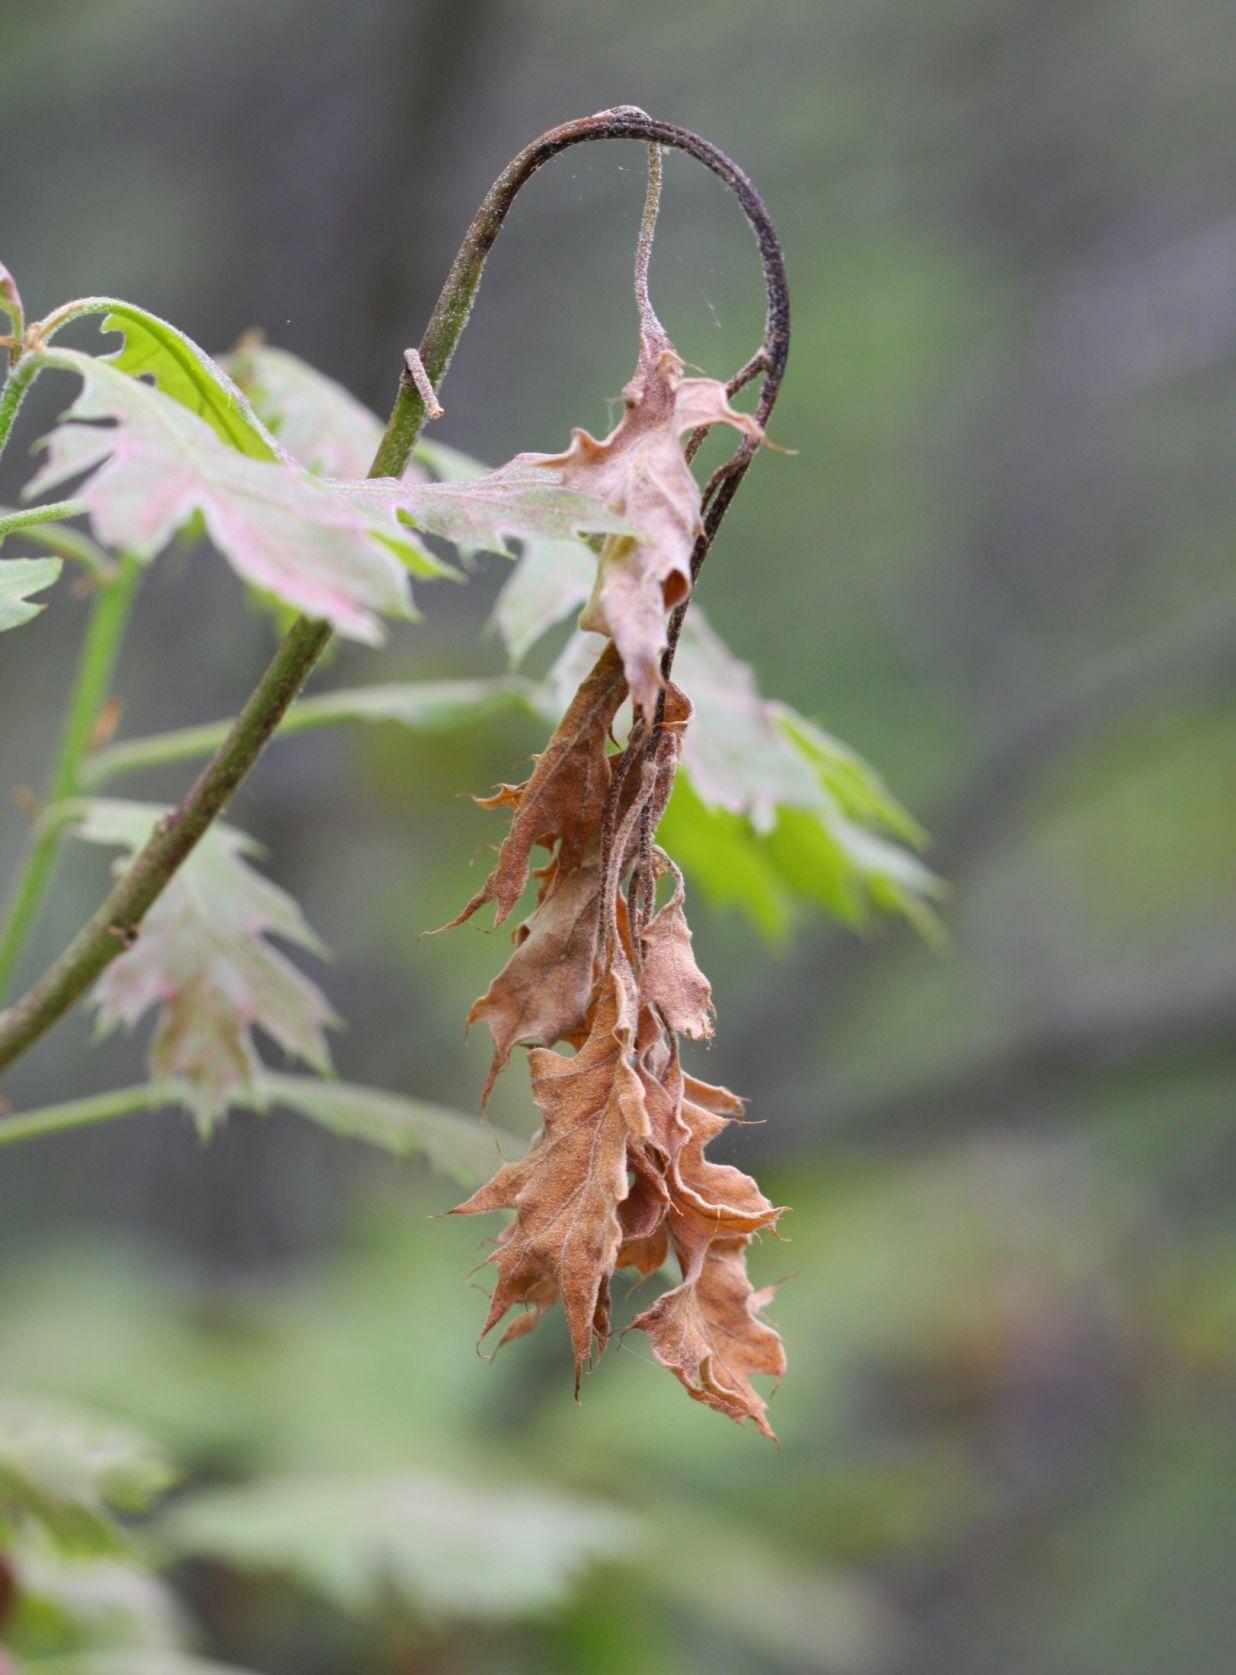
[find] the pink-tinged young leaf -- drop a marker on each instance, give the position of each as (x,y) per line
(10,300)
(551,580)
(203,958)
(521,498)
(321,424)
(738,754)
(310,544)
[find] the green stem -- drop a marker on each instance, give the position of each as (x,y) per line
(75,545)
(428,707)
(84,1113)
(96,668)
(13,393)
(54,512)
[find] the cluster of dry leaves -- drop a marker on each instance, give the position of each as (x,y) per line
(618,1176)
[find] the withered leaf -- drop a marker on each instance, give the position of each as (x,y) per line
(711,1200)
(544,991)
(709,1333)
(561,803)
(640,469)
(567,1191)
(669,977)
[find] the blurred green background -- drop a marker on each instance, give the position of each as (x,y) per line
(999,564)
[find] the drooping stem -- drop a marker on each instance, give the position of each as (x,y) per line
(95,670)
(85,1113)
(650,325)
(116,923)
(454,304)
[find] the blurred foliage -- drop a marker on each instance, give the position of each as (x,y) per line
(1000,565)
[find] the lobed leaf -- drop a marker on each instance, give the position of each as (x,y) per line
(775,809)
(551,581)
(566,1235)
(321,424)
(442,1546)
(75,1605)
(68,1471)
(19,578)
(478,514)
(455,1145)
(183,371)
(203,959)
(158,465)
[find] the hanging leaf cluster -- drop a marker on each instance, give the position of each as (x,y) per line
(618,1175)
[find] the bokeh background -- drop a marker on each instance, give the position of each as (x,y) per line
(999,564)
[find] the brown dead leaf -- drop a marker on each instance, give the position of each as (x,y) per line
(669,976)
(567,1191)
(720,1101)
(709,1333)
(641,471)
(711,1200)
(563,800)
(544,991)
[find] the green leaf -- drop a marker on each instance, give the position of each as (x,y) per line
(319,422)
(769,810)
(811,1617)
(855,784)
(458,1146)
(551,581)
(78,1605)
(186,373)
(19,578)
(424,706)
(444,1547)
(203,959)
(522,499)
(67,1470)
(723,856)
(280,528)
(448,464)
(735,750)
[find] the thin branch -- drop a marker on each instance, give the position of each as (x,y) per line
(54,512)
(75,545)
(85,1113)
(96,668)
(427,706)
(13,393)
